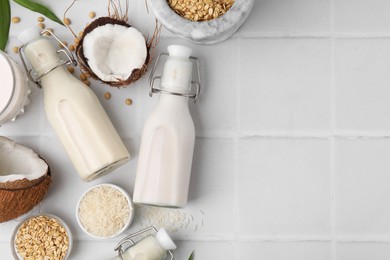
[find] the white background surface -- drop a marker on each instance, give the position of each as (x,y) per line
(292,154)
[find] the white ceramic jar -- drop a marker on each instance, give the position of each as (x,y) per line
(14,89)
(205,32)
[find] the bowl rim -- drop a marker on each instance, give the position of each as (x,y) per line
(128,198)
(232,20)
(62,222)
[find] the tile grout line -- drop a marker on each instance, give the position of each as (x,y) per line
(332,139)
(236,155)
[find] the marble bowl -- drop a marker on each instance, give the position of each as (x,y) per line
(205,32)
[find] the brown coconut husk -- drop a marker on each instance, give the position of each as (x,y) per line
(21,196)
(115,18)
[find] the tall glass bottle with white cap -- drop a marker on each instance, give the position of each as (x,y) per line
(168,137)
(74,111)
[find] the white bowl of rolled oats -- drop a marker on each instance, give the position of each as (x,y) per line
(42,236)
(202,21)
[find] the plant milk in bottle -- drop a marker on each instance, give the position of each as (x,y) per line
(74,112)
(168,138)
(150,248)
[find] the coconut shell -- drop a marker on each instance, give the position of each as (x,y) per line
(83,61)
(21,196)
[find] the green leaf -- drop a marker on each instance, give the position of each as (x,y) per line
(192,256)
(35,7)
(5,21)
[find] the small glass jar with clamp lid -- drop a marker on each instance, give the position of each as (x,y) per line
(155,245)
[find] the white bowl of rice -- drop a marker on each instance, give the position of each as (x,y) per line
(104,211)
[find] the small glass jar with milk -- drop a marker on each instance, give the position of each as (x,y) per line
(151,245)
(14,89)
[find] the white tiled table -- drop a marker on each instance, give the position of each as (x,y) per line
(292,159)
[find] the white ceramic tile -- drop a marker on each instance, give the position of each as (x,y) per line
(288,16)
(205,250)
(5,250)
(212,183)
(78,15)
(366,16)
(32,142)
(285,250)
(284,187)
(362,79)
(363,251)
(215,112)
(362,190)
(284,85)
(123,116)
(145,21)
(101,250)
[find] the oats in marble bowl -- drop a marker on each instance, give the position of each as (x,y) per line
(212,30)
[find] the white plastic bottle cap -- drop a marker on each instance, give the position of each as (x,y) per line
(179,51)
(29,35)
(165,240)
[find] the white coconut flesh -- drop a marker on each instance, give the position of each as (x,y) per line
(18,162)
(113,51)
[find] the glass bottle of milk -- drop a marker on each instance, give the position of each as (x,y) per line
(73,110)
(168,137)
(151,247)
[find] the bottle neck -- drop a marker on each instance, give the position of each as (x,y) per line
(172,101)
(54,76)
(176,75)
(42,56)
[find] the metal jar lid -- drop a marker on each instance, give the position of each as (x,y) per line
(7,86)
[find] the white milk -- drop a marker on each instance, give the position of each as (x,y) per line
(168,138)
(76,115)
(14,89)
(150,248)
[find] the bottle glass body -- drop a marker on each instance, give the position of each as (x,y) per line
(77,116)
(165,157)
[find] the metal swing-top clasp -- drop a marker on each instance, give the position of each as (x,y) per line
(36,78)
(195,94)
(128,239)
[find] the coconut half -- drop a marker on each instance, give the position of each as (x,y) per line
(112,51)
(24,179)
